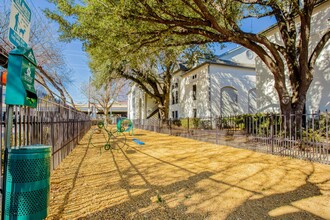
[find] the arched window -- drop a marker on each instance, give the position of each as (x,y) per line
(228,101)
(252,101)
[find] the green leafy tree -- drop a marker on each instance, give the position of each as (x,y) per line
(114,54)
(152,74)
(136,24)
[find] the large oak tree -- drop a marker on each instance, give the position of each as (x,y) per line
(157,23)
(152,73)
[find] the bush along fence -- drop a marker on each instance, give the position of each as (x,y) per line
(304,136)
(51,123)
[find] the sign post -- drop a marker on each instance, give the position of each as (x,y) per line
(19,23)
(19,33)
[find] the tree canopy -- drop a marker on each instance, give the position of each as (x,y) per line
(129,26)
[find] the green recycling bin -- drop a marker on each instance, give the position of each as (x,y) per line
(28,182)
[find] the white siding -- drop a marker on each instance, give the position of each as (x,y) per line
(210,79)
(318,97)
(242,79)
(187,104)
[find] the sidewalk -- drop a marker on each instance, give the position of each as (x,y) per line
(178,178)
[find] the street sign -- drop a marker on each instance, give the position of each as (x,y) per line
(19,23)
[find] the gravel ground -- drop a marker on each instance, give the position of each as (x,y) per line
(178,178)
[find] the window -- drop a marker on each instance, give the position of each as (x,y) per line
(249,54)
(175,93)
(175,114)
(194,76)
(228,101)
(194,92)
(176,96)
(195,113)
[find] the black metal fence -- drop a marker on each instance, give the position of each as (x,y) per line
(301,136)
(54,124)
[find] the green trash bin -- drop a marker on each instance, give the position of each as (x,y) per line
(28,182)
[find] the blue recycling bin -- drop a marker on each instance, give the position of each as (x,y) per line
(28,182)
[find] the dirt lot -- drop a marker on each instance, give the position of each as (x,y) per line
(177,178)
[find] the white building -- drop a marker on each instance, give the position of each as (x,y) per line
(318,96)
(140,105)
(212,89)
(117,109)
(225,86)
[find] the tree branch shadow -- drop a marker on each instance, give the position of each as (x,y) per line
(261,208)
(130,208)
(74,180)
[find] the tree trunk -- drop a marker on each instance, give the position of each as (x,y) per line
(164,107)
(163,111)
(105,114)
(292,109)
(290,104)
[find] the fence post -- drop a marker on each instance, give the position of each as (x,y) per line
(28,126)
(327,133)
(327,126)
(217,133)
(272,131)
(52,139)
(188,126)
(170,126)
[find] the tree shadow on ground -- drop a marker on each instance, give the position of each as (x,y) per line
(130,151)
(138,135)
(148,185)
(74,181)
(151,200)
(260,208)
(130,208)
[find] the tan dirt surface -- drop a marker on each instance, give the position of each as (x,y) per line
(178,178)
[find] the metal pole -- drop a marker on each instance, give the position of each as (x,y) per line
(9,125)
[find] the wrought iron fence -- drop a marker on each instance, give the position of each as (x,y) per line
(51,123)
(304,136)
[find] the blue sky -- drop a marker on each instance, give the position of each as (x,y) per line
(77,59)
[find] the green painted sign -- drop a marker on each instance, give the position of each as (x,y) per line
(19,23)
(20,79)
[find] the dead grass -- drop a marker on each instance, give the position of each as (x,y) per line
(177,178)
